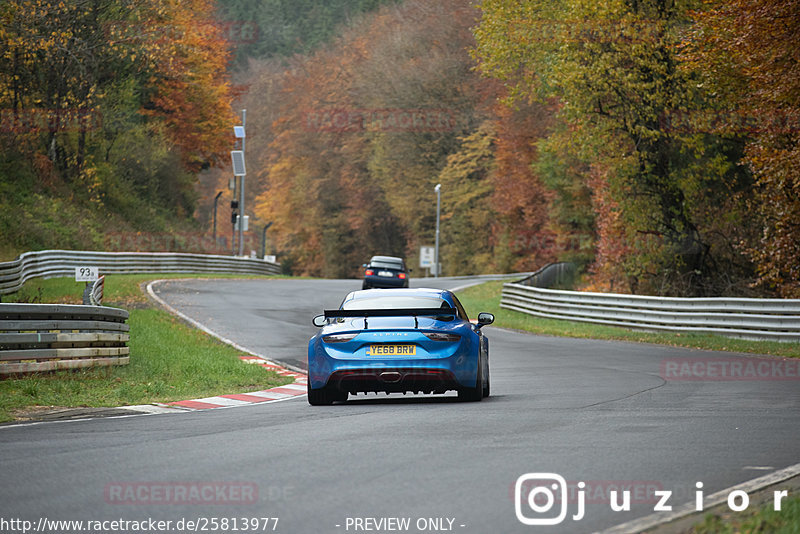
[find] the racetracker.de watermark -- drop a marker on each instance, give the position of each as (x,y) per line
(181,493)
(236,32)
(587,31)
(50,120)
(729,122)
(173,242)
(729,369)
(379,120)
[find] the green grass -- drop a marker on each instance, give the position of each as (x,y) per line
(169,360)
(486,297)
(764,519)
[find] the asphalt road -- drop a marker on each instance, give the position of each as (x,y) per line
(591,411)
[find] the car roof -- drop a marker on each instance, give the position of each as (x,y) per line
(386,258)
(405,292)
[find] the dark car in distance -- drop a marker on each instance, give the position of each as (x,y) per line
(385,272)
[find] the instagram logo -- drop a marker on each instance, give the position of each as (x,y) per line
(540,492)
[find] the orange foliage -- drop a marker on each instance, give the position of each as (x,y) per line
(608,270)
(753,49)
(341,184)
(519,198)
(193,92)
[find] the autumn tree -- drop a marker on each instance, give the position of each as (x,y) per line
(365,129)
(614,72)
(467,221)
(110,107)
(263,29)
(748,52)
(525,234)
(324,211)
(184,57)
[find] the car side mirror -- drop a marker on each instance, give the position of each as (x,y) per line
(485,318)
(319,321)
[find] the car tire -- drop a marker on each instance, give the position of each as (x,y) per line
(319,397)
(364,286)
(473,394)
(486,385)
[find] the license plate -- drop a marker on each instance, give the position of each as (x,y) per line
(385,273)
(392,350)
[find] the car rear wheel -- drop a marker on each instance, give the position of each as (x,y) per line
(319,397)
(486,389)
(325,396)
(473,394)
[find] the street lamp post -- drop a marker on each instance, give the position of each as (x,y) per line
(216,198)
(234,213)
(264,240)
(237,158)
(241,193)
(438,190)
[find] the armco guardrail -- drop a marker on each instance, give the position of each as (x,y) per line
(775,319)
(93,294)
(552,274)
(54,263)
(96,291)
(46,337)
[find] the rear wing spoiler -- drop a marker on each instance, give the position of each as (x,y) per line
(395,312)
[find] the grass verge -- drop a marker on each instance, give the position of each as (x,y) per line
(486,297)
(764,519)
(169,361)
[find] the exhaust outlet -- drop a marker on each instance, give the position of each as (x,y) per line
(390,377)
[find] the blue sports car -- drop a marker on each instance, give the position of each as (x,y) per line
(398,341)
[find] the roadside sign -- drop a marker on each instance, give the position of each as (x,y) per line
(86,274)
(246,219)
(426,256)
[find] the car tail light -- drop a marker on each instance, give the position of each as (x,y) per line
(369,272)
(401,276)
(439,336)
(338,338)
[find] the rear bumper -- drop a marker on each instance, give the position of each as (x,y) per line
(382,281)
(393,380)
(428,374)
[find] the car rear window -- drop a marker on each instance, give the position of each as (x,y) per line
(393,303)
(387,265)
